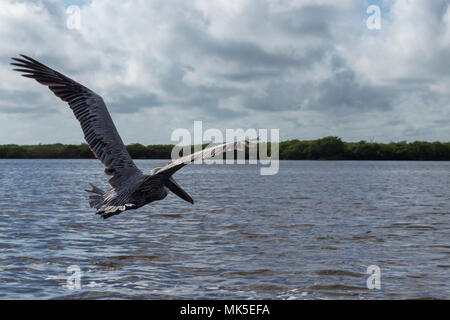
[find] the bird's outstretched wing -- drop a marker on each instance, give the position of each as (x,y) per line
(90,110)
(207,153)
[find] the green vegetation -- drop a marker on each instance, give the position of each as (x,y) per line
(333,148)
(328,148)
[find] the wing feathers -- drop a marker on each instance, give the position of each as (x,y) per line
(90,110)
(207,153)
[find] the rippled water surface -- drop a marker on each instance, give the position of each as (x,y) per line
(309,232)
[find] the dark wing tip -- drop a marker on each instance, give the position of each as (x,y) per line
(27,61)
(20,64)
(23,59)
(28,58)
(35,62)
(21,70)
(24,65)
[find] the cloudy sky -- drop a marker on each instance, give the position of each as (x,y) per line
(311,68)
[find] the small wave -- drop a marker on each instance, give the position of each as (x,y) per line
(418,227)
(338,272)
(252,272)
(336,287)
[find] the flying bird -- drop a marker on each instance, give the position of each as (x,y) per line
(130,187)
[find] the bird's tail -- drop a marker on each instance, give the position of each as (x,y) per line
(104,208)
(95,200)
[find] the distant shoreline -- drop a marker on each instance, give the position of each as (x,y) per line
(328,148)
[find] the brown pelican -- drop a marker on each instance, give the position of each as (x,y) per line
(131,188)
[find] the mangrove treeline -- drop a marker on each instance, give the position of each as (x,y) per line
(328,148)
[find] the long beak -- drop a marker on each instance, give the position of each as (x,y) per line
(175,188)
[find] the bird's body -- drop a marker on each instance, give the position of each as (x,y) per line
(132,194)
(130,187)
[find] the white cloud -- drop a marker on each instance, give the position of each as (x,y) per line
(308,67)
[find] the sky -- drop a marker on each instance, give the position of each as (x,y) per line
(310,68)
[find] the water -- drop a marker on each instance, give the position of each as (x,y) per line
(309,232)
